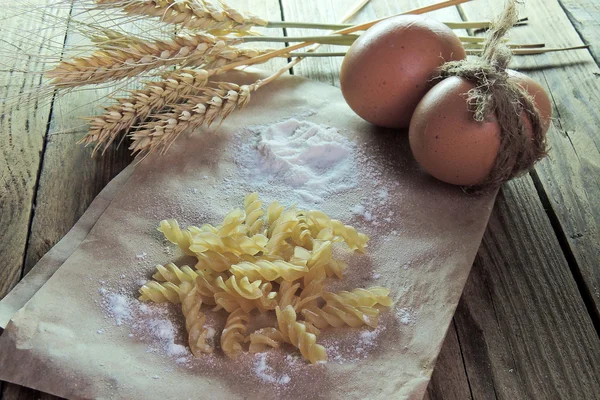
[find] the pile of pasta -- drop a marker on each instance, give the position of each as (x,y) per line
(258,262)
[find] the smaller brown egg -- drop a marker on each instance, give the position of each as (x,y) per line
(540,97)
(447,141)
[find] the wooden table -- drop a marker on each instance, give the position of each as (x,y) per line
(528,324)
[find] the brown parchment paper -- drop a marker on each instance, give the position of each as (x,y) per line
(425,235)
(56,256)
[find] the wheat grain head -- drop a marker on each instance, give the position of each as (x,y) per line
(215,103)
(192,14)
(119,118)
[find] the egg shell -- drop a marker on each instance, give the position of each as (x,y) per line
(386,71)
(445,139)
(540,97)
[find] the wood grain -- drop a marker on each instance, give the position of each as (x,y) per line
(523,328)
(23,121)
(569,179)
(449,380)
(584,15)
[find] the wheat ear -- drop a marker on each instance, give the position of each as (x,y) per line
(214,103)
(121,117)
(192,14)
(134,59)
(126,57)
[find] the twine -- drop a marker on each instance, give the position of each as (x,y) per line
(495,94)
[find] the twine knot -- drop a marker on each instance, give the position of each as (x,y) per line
(496,96)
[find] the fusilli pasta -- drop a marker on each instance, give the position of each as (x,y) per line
(194,323)
(258,260)
(174,234)
(338,315)
(254,214)
(295,333)
(268,270)
(232,336)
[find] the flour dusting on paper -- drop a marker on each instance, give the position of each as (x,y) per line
(315,160)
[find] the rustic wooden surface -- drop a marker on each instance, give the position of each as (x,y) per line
(528,324)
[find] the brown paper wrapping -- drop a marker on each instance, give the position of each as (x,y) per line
(64,342)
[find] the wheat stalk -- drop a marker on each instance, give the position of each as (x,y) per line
(140,104)
(128,56)
(193,14)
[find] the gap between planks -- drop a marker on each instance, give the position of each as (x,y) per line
(43,154)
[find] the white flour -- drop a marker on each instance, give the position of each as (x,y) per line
(314,160)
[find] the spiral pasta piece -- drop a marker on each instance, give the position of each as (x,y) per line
(174,234)
(265,338)
(216,261)
(268,270)
(285,223)
(354,240)
(232,336)
(172,273)
(338,315)
(254,214)
(309,295)
(232,224)
(208,241)
(322,225)
(230,300)
(361,297)
(295,333)
(194,323)
(241,287)
(164,292)
(274,210)
(320,256)
(194,230)
(301,234)
(286,295)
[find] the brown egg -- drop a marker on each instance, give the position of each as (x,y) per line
(445,139)
(541,98)
(385,72)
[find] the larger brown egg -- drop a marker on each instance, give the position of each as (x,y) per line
(447,141)
(386,71)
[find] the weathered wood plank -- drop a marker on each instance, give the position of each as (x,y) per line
(523,328)
(569,180)
(584,15)
(70,180)
(449,380)
(269,10)
(14,392)
(23,122)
